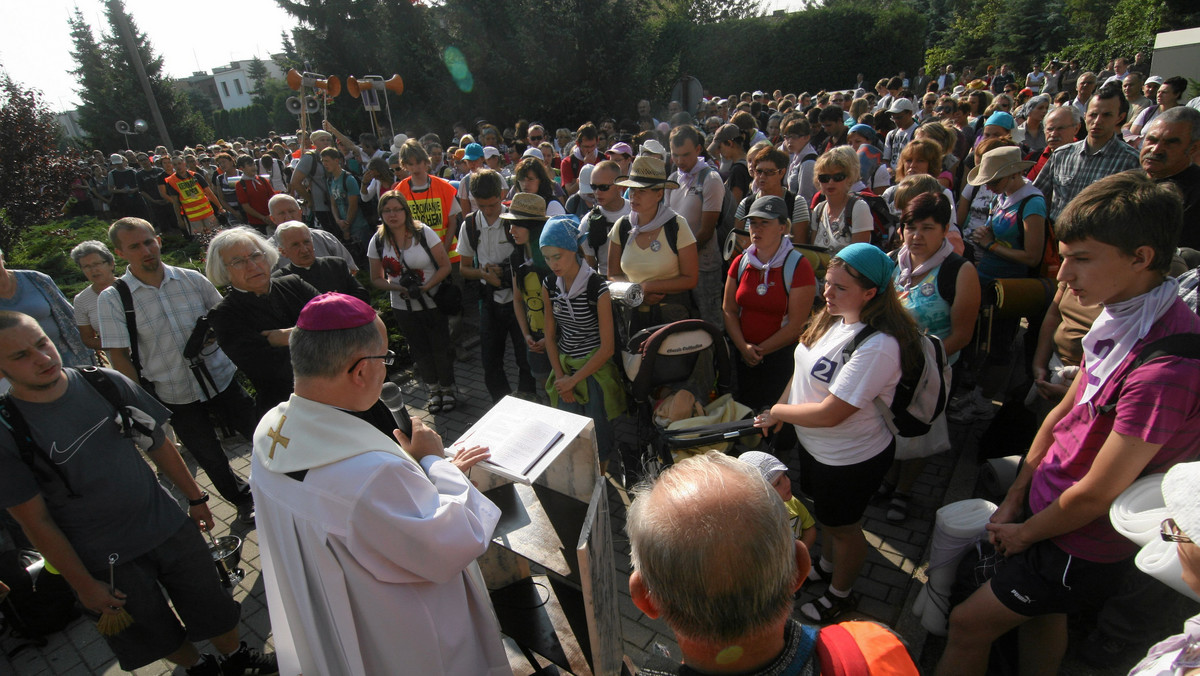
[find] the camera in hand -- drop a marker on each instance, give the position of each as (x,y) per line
(411,281)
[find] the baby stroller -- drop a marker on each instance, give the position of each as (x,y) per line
(680,356)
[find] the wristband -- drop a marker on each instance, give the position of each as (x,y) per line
(200,500)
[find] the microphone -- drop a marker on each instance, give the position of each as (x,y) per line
(393,398)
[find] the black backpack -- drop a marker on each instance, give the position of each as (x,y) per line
(670,229)
(39,602)
(920,396)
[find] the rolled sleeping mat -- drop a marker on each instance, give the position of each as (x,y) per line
(1023,297)
(1138,512)
(957,527)
(1160,560)
(997,474)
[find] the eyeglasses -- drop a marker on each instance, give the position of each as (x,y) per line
(397,170)
(536,139)
(767,172)
(836,178)
(239,263)
(942,109)
(1170,532)
(601,187)
(388,360)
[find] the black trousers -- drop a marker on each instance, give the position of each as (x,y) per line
(195,429)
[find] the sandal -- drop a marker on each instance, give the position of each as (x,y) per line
(819,612)
(435,403)
(884,492)
(897,508)
(449,402)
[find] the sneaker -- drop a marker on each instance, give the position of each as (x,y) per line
(246,513)
(828,608)
(207,666)
(435,402)
(248,662)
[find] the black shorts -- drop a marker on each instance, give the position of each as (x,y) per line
(1044,580)
(184,568)
(841,493)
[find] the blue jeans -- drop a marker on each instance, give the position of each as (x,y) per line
(594,409)
(497,323)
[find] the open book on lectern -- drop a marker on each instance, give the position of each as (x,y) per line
(522,437)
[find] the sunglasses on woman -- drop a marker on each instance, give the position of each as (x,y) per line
(836,178)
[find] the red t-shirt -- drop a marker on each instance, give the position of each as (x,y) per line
(257,193)
(763,315)
(567,168)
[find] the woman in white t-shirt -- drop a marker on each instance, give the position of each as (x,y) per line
(845,446)
(412,276)
(832,227)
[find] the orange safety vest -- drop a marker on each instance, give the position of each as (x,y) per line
(192,199)
(432,207)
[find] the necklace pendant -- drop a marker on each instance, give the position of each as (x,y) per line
(655,246)
(761,289)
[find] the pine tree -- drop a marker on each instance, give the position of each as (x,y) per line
(109,89)
(258,75)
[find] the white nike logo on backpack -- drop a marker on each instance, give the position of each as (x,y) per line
(71,450)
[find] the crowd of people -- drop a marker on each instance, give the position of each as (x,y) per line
(823,233)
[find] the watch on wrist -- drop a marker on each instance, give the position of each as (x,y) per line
(200,500)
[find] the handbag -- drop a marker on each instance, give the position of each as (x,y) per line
(449,298)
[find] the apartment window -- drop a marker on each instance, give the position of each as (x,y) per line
(238,83)
(225,88)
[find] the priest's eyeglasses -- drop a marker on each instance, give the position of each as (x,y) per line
(1172,533)
(388,360)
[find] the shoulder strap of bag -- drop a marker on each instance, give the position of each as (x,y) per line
(130,323)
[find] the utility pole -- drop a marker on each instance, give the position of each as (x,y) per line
(135,58)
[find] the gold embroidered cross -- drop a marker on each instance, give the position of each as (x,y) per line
(276,437)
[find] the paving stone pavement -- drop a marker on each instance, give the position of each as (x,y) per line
(890,578)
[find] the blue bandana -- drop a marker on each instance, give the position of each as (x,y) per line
(562,232)
(870,261)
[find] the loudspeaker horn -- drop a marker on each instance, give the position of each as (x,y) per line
(395,84)
(332,86)
(139,125)
(122,127)
(353,87)
(311,104)
(293,105)
(294,79)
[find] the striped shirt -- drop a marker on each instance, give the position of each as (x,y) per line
(165,318)
(576,321)
(1073,167)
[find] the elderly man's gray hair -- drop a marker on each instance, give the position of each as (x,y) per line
(274,202)
(215,268)
(288,226)
(711,541)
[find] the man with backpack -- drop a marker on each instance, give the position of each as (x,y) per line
(145,333)
(72,477)
(309,183)
(1133,410)
(700,199)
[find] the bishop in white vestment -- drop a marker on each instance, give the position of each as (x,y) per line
(368,550)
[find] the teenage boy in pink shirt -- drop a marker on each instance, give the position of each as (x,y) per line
(1116,239)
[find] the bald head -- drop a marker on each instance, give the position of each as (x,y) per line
(702,520)
(283,208)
